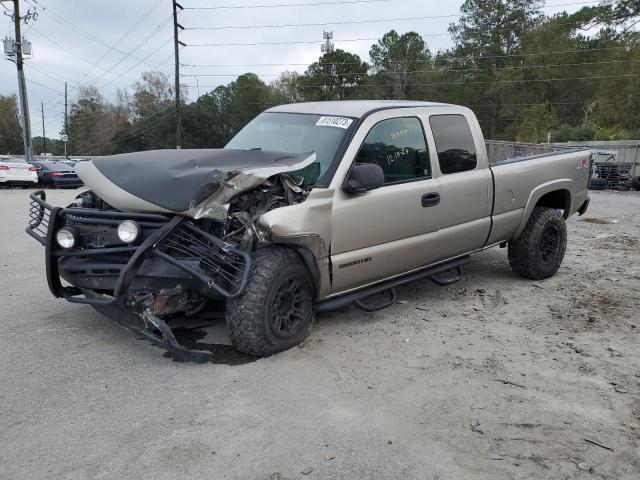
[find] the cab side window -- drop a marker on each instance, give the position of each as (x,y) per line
(454,143)
(398,146)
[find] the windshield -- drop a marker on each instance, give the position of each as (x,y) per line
(295,133)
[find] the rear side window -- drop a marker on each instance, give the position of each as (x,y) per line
(454,143)
(399,147)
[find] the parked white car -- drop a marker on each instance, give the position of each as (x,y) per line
(15,171)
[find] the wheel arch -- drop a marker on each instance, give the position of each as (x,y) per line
(555,194)
(316,264)
(309,261)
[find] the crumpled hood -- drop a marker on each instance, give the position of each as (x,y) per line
(196,183)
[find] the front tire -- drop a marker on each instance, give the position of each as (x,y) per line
(275,310)
(538,252)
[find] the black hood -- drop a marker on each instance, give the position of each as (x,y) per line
(179,180)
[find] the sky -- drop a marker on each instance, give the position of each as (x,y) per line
(110,43)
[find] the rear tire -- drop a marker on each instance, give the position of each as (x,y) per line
(538,252)
(275,310)
(635,183)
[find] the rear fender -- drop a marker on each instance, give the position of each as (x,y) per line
(564,185)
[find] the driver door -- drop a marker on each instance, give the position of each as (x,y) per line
(393,229)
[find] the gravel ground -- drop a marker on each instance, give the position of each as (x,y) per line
(495,377)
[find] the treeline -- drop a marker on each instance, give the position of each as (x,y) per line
(527,76)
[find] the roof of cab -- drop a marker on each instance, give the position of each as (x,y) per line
(351,108)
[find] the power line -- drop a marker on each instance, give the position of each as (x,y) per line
(465,58)
(351,22)
(304,42)
(473,82)
(630,100)
(67,50)
(67,24)
(88,149)
(283,5)
(105,72)
(439,70)
(295,42)
(138,46)
(88,145)
(86,118)
(42,71)
(126,34)
(320,24)
(58,92)
(137,64)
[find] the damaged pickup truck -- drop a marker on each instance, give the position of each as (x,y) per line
(311,207)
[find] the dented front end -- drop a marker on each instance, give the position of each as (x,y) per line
(172,266)
(188,250)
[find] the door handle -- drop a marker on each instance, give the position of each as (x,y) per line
(430,199)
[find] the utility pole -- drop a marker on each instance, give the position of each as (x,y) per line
(65,137)
(44,134)
(22,88)
(176,44)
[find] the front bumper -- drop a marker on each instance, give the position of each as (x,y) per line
(173,252)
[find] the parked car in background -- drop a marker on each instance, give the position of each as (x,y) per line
(15,171)
(56,174)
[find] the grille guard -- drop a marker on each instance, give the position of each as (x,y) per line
(218,260)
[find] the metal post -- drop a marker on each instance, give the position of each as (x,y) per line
(44,134)
(176,45)
(22,88)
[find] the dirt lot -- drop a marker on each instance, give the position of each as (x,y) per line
(495,377)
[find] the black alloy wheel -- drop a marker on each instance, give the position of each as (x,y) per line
(549,244)
(289,308)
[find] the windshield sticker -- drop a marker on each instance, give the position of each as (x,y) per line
(340,122)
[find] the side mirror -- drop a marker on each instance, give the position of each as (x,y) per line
(364,177)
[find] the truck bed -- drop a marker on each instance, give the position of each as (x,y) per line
(525,172)
(499,152)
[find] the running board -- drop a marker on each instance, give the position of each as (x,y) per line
(357,296)
(444,281)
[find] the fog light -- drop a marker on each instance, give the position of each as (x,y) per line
(128,231)
(65,238)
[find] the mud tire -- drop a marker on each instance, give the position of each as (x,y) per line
(250,316)
(538,252)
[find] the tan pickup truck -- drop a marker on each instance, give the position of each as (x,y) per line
(311,207)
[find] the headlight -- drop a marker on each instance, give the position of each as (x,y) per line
(65,238)
(128,231)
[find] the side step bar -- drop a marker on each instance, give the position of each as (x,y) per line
(356,297)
